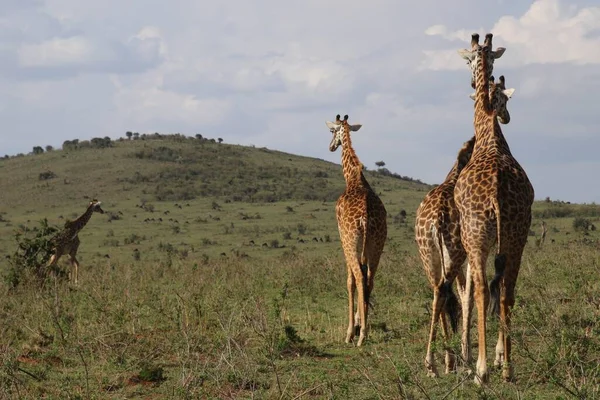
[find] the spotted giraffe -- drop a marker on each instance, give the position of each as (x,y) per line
(494,196)
(437,233)
(67,240)
(362,225)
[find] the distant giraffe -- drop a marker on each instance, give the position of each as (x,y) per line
(437,233)
(544,232)
(67,240)
(362,225)
(494,198)
(472,57)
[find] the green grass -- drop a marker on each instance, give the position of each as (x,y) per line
(204,313)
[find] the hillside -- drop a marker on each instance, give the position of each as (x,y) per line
(196,194)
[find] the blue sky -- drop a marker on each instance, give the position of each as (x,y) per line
(270,73)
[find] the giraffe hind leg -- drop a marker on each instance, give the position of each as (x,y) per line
(364,270)
(499,266)
(451,305)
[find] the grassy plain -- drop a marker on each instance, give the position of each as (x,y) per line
(217,273)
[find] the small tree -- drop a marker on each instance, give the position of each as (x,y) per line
(49,148)
(380,164)
(34,248)
(136,135)
(198,136)
(129,134)
(38,150)
(220,140)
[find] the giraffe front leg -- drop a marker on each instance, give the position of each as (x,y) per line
(51,264)
(351,287)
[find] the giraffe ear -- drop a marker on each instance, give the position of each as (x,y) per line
(472,96)
(466,54)
(332,125)
(355,127)
(509,92)
(499,51)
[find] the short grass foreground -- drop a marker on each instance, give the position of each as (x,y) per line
(274,328)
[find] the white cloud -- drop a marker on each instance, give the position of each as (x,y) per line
(146,102)
(57,52)
(548,32)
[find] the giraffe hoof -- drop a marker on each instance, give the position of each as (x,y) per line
(507,374)
(432,374)
(480,380)
(349,337)
(361,339)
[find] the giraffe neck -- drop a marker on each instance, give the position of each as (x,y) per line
(482,88)
(80,222)
(487,129)
(351,165)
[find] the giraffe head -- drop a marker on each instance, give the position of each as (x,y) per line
(338,128)
(95,206)
(472,56)
(499,96)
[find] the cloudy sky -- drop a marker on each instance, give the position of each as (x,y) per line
(271,72)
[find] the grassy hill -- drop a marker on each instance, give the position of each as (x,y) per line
(216,272)
(198,195)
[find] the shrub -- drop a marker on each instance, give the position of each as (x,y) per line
(582,224)
(44,176)
(301,229)
(34,248)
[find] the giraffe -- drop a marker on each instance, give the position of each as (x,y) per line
(67,240)
(472,57)
(437,233)
(544,232)
(362,225)
(494,196)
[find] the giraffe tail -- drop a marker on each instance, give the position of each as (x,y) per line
(499,267)
(451,304)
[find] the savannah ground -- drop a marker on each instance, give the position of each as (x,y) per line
(217,272)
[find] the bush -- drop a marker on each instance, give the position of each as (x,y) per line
(44,176)
(160,153)
(583,224)
(34,248)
